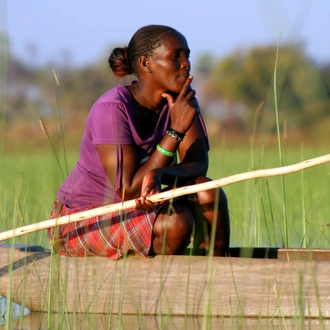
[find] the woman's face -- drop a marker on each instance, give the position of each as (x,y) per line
(169,64)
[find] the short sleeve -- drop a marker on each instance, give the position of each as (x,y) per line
(201,120)
(108,124)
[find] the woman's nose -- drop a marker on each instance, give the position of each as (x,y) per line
(185,64)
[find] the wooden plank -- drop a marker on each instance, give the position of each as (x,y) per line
(280,253)
(167,285)
(304,254)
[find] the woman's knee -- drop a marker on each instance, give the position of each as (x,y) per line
(173,228)
(178,219)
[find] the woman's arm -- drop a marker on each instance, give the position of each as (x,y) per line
(193,154)
(157,170)
(132,172)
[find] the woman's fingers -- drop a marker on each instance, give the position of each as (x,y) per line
(169,99)
(191,96)
(143,203)
(186,87)
(150,186)
(151,205)
(186,91)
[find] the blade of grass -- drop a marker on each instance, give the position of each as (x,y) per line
(4,64)
(285,220)
(303,207)
(57,83)
(44,129)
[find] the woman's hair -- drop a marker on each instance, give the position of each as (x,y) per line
(124,61)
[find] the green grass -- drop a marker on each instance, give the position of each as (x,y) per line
(256,206)
(29,182)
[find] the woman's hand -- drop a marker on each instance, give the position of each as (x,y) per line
(184,109)
(151,185)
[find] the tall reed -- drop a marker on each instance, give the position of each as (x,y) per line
(280,150)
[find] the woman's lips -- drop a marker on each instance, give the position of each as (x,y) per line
(183,77)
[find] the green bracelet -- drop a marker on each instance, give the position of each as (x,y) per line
(165,152)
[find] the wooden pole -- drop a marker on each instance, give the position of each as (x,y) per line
(165,196)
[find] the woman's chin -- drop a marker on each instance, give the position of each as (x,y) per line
(173,93)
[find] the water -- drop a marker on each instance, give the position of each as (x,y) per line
(15,310)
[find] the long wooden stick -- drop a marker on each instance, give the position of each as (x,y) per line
(165,196)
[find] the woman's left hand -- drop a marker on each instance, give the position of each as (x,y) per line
(151,185)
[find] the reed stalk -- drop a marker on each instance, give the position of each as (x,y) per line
(44,129)
(303,207)
(280,151)
(59,119)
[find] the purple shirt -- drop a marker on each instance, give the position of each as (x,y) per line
(111,121)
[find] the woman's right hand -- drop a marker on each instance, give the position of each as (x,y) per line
(184,109)
(151,185)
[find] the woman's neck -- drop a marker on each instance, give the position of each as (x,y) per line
(148,100)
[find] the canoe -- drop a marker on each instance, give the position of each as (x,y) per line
(261,282)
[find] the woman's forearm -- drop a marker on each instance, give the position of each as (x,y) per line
(181,173)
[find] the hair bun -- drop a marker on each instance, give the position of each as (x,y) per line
(118,62)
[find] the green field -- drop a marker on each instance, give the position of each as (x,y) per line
(285,210)
(291,209)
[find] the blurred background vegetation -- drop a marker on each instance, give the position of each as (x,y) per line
(236,94)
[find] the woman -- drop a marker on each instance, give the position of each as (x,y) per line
(129,149)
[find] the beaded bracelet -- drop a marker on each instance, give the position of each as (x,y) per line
(175,134)
(165,152)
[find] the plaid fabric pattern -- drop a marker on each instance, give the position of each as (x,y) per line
(110,235)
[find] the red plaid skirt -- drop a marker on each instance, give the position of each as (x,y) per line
(110,235)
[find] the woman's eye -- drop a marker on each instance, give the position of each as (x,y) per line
(183,54)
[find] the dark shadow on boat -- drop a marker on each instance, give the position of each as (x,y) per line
(39,253)
(254,252)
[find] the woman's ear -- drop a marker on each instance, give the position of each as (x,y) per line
(144,64)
